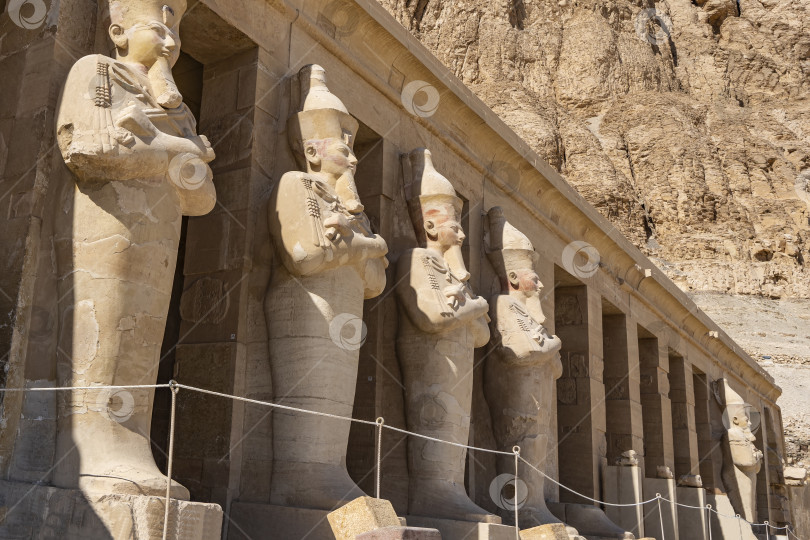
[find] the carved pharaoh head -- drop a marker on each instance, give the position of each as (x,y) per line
(147,32)
(511,253)
(435,210)
(322,132)
(144,30)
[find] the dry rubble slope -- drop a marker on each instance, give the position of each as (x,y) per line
(686,123)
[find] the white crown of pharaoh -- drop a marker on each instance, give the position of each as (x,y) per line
(507,248)
(131,12)
(322,114)
(430,194)
(730,397)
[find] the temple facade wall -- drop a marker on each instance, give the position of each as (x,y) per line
(639,358)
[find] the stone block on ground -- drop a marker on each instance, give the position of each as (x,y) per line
(30,511)
(550,531)
(401,533)
(362,515)
(452,529)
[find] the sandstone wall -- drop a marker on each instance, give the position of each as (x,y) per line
(685,123)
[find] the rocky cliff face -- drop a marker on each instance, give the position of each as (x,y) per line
(687,124)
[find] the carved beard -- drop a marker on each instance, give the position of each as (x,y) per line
(163,85)
(535,308)
(347,191)
(455,262)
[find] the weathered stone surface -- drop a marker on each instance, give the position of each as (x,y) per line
(47,512)
(523,366)
(741,458)
(362,515)
(551,531)
(139,166)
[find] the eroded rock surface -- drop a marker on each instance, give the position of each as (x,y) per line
(687,124)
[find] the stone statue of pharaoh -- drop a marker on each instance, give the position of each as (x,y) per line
(441,323)
(521,371)
(741,459)
(140,166)
(329,262)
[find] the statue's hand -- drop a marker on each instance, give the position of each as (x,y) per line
(133,119)
(337,225)
(454,294)
(203,142)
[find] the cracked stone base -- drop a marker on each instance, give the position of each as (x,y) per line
(35,511)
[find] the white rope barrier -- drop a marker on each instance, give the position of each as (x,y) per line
(380,425)
(547,477)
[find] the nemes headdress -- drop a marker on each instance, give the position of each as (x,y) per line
(129,12)
(507,248)
(322,115)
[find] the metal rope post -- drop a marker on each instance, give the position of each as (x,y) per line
(767,530)
(380,422)
(660,516)
(516,450)
(739,524)
(174,389)
(709,519)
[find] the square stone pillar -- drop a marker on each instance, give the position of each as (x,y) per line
(656,405)
(625,429)
(684,434)
(623,485)
(692,523)
(669,510)
(703,428)
(580,392)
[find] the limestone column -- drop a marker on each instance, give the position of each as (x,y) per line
(707,445)
(684,434)
(625,428)
(659,458)
(622,478)
(580,393)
